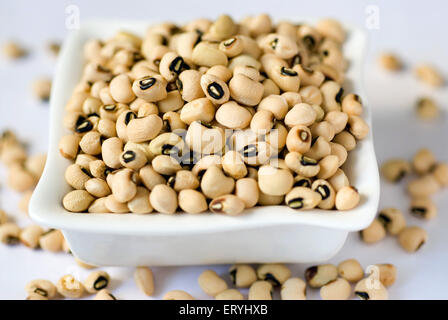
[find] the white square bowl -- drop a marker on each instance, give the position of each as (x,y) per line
(262,234)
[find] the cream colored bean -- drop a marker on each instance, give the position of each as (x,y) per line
(205,139)
(319,276)
(200,109)
(275,273)
(327,193)
(358,127)
(77,201)
(230,294)
(373,233)
(393,220)
(215,184)
(30,235)
(51,240)
(301,198)
(302,165)
(69,145)
(227,204)
(320,148)
(124,185)
(328,166)
(144,280)
(114,206)
(293,289)
(150,177)
(205,54)
(104,294)
(338,289)
(429,75)
(424,186)
(371,289)
(163,199)
(41,287)
(211,283)
(96,281)
(177,295)
(242,275)
(412,238)
(301,114)
(111,151)
(233,116)
(299,139)
(323,129)
(347,198)
(233,165)
(221,72)
(352,105)
(69,287)
(121,89)
(247,190)
(245,90)
(351,270)
(144,129)
(9,233)
(192,201)
(260,290)
(275,181)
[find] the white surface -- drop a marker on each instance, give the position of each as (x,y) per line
(397,131)
(197,239)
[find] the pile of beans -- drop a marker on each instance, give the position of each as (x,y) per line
(213,115)
(431,177)
(334,282)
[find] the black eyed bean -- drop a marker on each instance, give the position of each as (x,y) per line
(211,283)
(311,95)
(150,177)
(338,289)
(347,198)
(302,198)
(144,129)
(301,114)
(150,88)
(338,120)
(41,287)
(166,165)
(227,204)
(351,270)
(177,295)
(282,46)
(423,186)
(189,84)
(121,89)
(77,201)
(374,232)
(302,165)
(205,139)
(423,207)
(292,98)
(115,206)
(144,279)
(328,166)
(260,290)
(270,87)
(183,179)
(97,187)
(371,289)
(76,176)
(52,240)
(208,55)
(247,190)
(69,145)
(309,77)
(104,294)
(9,233)
(345,139)
(96,281)
(393,220)
(339,151)
(387,273)
(200,109)
(320,148)
(192,201)
(171,66)
(427,109)
(332,94)
(69,287)
(299,139)
(352,105)
(124,185)
(275,273)
(172,102)
(163,199)
(293,289)
(394,170)
(412,238)
(358,127)
(423,161)
(232,47)
(319,276)
(232,115)
(215,184)
(233,165)
(257,153)
(429,75)
(323,129)
(275,181)
(245,90)
(327,193)
(242,275)
(98,206)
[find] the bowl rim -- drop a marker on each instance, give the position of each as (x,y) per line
(46,208)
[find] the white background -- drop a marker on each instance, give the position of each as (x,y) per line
(414,29)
